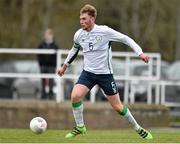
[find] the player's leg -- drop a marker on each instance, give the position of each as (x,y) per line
(122,110)
(80,90)
(109,87)
(125,112)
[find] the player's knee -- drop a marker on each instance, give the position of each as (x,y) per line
(75,96)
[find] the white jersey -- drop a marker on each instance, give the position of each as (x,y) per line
(96,46)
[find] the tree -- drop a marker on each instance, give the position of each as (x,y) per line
(178,32)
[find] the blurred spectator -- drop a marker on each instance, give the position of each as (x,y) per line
(47,63)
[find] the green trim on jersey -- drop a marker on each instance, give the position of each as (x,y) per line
(109,46)
(77,104)
(124,111)
(75,45)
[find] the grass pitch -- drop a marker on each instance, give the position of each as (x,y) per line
(92,136)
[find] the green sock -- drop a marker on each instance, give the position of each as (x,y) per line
(76,104)
(124,111)
(77,108)
(128,116)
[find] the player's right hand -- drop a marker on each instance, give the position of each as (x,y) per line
(144,57)
(62,70)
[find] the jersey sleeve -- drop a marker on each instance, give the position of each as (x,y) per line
(74,50)
(71,56)
(76,40)
(119,37)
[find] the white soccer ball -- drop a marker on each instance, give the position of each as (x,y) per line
(38,125)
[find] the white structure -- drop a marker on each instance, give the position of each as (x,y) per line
(131,82)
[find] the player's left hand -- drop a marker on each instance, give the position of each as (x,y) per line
(144,57)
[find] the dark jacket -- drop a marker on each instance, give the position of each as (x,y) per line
(47,59)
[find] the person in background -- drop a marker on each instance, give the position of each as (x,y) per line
(47,63)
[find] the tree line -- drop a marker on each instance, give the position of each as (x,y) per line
(153,24)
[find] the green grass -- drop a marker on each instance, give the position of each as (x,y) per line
(92,136)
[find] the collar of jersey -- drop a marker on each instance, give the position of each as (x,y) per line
(95,25)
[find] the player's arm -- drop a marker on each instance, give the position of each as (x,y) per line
(119,37)
(70,58)
(71,55)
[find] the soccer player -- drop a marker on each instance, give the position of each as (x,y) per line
(95,41)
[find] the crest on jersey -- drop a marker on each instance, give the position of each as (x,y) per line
(98,38)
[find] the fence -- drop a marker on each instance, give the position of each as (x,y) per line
(127,78)
(164,85)
(130,81)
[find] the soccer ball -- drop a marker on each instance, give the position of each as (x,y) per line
(38,125)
